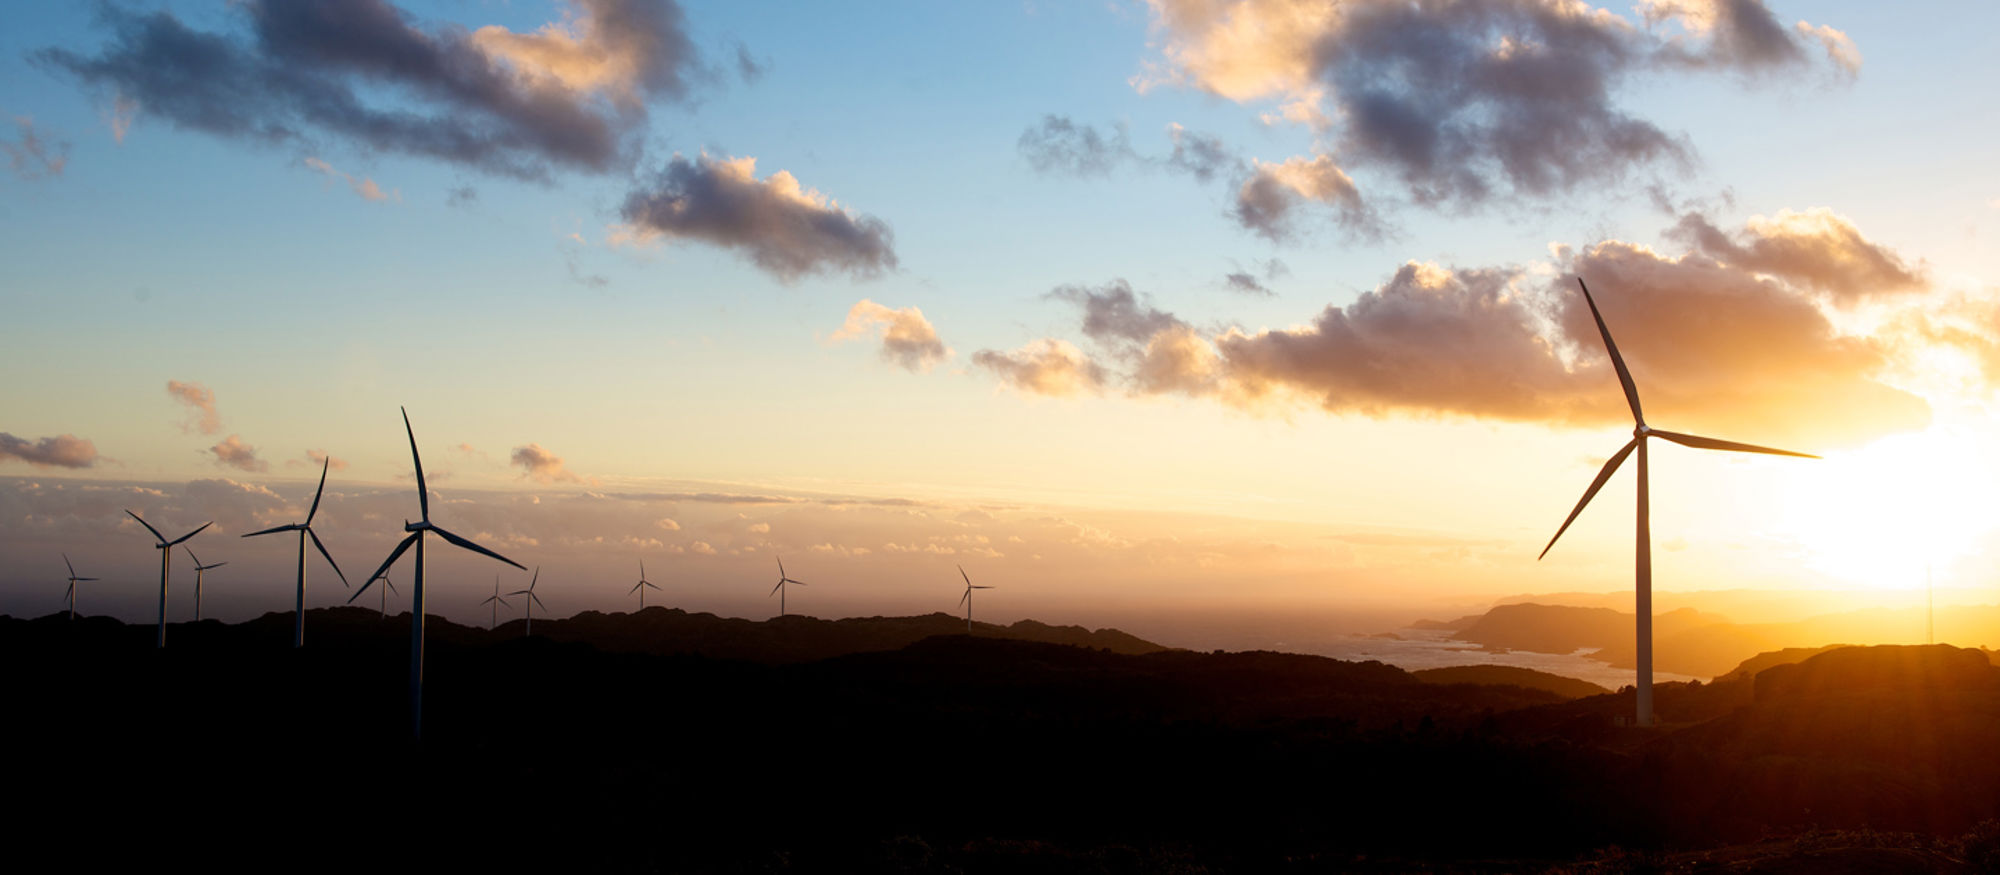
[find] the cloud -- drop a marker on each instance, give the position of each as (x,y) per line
(668,524)
(234,453)
(365,188)
(1059,146)
(1465,101)
(1731,337)
(1270,198)
(748,67)
(786,230)
(32,157)
(1818,249)
(701,547)
(61,451)
(362,72)
(759,528)
(461,196)
(1248,284)
(201,406)
(319,457)
(908,339)
(1201,156)
(543,466)
(1044,367)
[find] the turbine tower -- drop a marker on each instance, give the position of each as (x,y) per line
(496,601)
(417,530)
(779,590)
(166,549)
(531,600)
(305,531)
(1643,564)
(73,581)
(967,600)
(641,586)
(198,569)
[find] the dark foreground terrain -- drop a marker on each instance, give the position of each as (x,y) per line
(955,753)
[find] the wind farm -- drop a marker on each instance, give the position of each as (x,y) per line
(1246,349)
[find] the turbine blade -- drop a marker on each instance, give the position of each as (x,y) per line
(961,599)
(1703,443)
(642,569)
(1617,361)
(519,592)
(218,565)
(319,492)
(85,579)
(391,586)
(655,586)
(774,590)
(1610,467)
(423,492)
(190,552)
(475,547)
(397,554)
(781,565)
(635,587)
(149,527)
(329,556)
(288,527)
(538,601)
(982,587)
(961,573)
(193,533)
(72,568)
(535,579)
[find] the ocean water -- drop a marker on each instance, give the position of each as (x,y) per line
(1422,648)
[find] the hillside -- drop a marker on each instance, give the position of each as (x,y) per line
(1511,676)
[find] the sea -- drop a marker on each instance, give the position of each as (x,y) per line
(1415,649)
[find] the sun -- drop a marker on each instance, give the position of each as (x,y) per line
(1888,514)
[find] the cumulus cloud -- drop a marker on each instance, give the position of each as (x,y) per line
(61,451)
(908,339)
(668,524)
(1268,201)
(366,189)
(1815,248)
(31,157)
(366,73)
(320,458)
(1201,156)
(1467,100)
(200,401)
(234,453)
(785,229)
(1733,336)
(1044,367)
(701,547)
(1062,147)
(543,466)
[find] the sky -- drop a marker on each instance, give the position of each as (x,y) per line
(1136,310)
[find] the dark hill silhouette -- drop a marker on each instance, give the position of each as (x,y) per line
(955,753)
(1510,675)
(797,638)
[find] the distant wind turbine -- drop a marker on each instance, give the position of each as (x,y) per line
(417,530)
(73,581)
(198,569)
(496,601)
(642,585)
(305,531)
(166,549)
(967,600)
(387,588)
(531,600)
(779,590)
(1643,565)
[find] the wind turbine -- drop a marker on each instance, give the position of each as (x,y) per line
(496,601)
(967,600)
(417,530)
(387,588)
(532,600)
(166,549)
(305,531)
(198,569)
(73,581)
(641,586)
(1643,565)
(779,590)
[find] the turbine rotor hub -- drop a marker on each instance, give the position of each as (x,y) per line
(1642,430)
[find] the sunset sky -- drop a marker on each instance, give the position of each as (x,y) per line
(1178,307)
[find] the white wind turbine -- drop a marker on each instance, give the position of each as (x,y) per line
(779,590)
(387,588)
(530,600)
(416,538)
(1643,565)
(305,531)
(166,549)
(198,569)
(642,585)
(496,601)
(967,600)
(73,581)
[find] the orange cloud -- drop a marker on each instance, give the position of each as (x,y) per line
(201,401)
(908,339)
(234,453)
